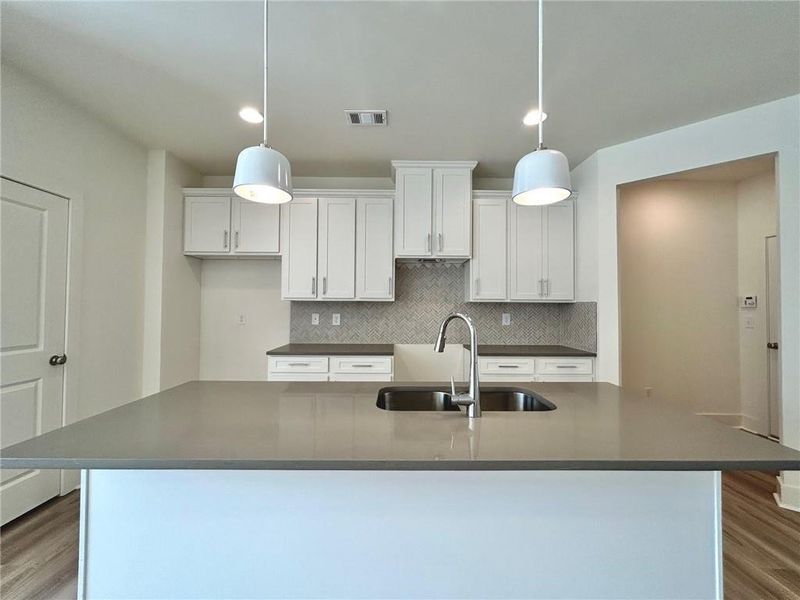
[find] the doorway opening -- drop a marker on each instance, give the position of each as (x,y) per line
(699,291)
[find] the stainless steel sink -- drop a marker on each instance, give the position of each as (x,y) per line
(435,399)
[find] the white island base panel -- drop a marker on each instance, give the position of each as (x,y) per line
(400,534)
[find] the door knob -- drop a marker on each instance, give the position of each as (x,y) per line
(58,359)
(772,345)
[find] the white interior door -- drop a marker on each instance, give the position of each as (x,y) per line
(488,264)
(774,335)
(33,276)
(337,247)
(256,227)
(452,199)
(559,250)
(526,281)
(299,264)
(413,218)
(374,258)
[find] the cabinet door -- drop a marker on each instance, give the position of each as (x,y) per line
(299,264)
(452,200)
(255,227)
(559,251)
(207,225)
(374,259)
(488,265)
(337,247)
(413,212)
(525,224)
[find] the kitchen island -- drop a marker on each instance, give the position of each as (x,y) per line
(309,490)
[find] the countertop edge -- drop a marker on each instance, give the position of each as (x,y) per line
(401,465)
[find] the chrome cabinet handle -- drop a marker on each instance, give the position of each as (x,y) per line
(390,285)
(508,366)
(225,239)
(429,242)
(362,366)
(566,366)
(441,242)
(58,359)
(547,288)
(477,285)
(313,286)
(324,285)
(541,287)
(298,364)
(236,240)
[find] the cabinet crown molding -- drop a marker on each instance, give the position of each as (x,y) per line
(433,164)
(301,192)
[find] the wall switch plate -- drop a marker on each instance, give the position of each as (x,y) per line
(241,319)
(315,318)
(336,319)
(506,319)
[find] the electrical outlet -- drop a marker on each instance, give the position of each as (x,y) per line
(506,319)
(336,319)
(241,319)
(315,318)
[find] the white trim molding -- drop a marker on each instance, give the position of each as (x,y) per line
(788,494)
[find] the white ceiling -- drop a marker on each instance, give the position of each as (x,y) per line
(456,77)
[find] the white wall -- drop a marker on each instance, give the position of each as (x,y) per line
(773,127)
(231,288)
(678,286)
(757,218)
(172,296)
(51,143)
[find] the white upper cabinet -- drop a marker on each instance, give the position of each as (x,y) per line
(528,257)
(255,227)
(487,269)
(207,225)
(413,212)
(337,248)
(299,264)
(559,252)
(374,251)
(433,214)
(217,223)
(525,252)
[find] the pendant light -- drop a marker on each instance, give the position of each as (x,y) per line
(263,174)
(541,177)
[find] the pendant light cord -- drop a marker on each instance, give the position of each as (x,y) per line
(541,46)
(265,72)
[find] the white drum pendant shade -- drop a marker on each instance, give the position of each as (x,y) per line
(263,175)
(541,177)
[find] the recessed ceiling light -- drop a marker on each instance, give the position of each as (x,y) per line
(534,117)
(251,115)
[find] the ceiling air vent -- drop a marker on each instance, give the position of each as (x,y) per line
(366,117)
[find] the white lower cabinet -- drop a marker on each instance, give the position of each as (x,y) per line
(507,369)
(330,368)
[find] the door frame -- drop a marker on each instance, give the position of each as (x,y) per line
(768,328)
(70,479)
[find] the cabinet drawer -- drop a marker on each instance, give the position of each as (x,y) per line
(361,364)
(564,366)
(298,364)
(506,366)
(565,378)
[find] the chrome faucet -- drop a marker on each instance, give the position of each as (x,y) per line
(472,399)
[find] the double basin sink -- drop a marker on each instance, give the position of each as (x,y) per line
(435,399)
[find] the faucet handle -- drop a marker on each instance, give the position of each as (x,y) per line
(452,386)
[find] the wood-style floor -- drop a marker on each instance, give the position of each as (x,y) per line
(39,551)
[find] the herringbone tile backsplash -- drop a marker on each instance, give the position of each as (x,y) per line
(425,293)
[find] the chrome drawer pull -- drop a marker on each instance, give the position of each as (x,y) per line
(508,366)
(362,366)
(566,366)
(298,364)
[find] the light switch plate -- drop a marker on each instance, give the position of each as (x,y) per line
(241,319)
(506,319)
(336,319)
(315,318)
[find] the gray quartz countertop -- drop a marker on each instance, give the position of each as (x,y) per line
(333,350)
(529,350)
(336,425)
